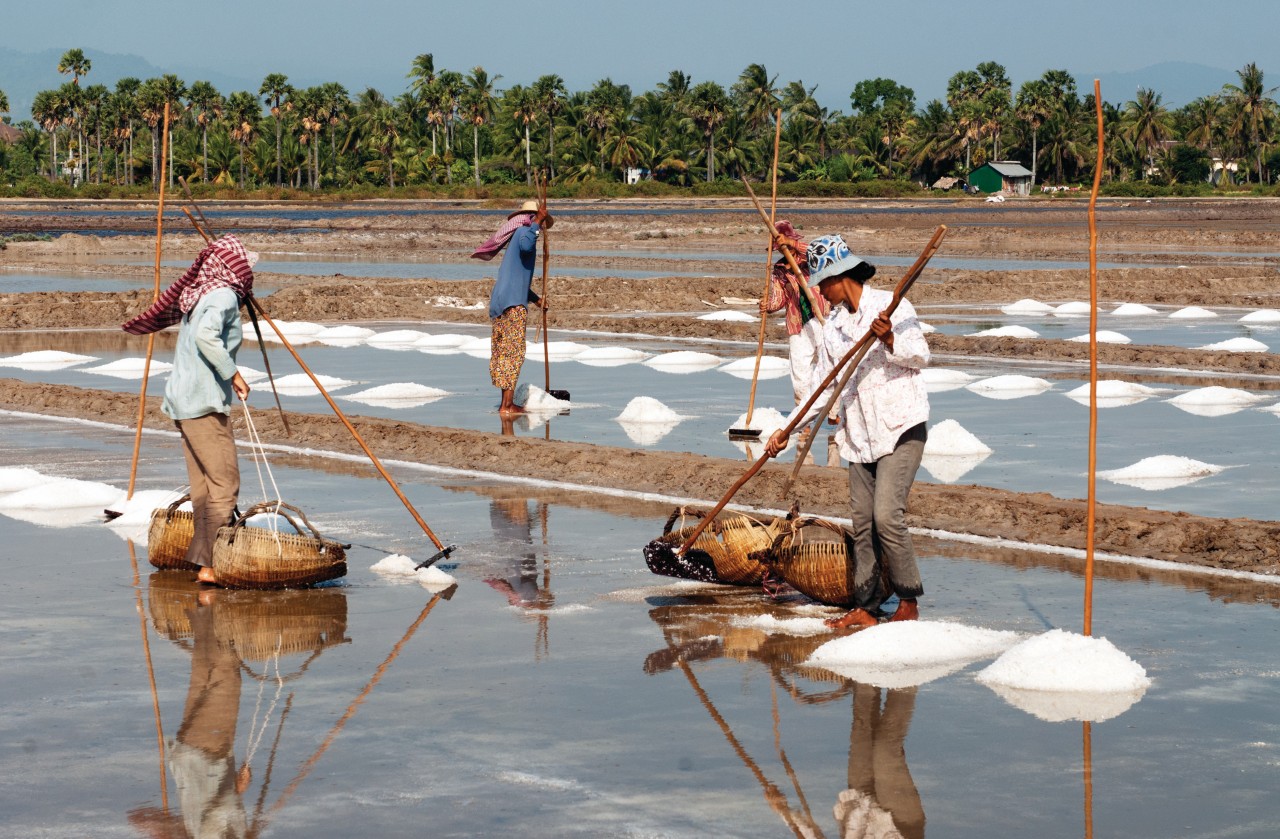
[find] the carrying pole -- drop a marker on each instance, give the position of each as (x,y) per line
(1092,502)
(768,269)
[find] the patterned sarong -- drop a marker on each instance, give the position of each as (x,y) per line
(506,353)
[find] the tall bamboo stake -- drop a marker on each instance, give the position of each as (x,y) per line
(546,259)
(768,269)
(1093,368)
(151,339)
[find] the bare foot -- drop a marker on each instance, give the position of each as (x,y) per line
(907,611)
(206,575)
(855,617)
(510,410)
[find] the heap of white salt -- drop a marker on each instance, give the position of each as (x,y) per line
(771,367)
(1063,661)
(45,360)
(62,493)
(445,340)
(1216,395)
(940,379)
(909,653)
(400,568)
(535,399)
(785,626)
(927,329)
(299,384)
(1006,332)
(729,315)
(129,368)
(1105,336)
(249,374)
(646,409)
(950,439)
(1237,345)
(398,395)
(683,361)
(1262,316)
(1191,312)
(1026,306)
(764,420)
(1009,386)
(344,333)
(555,350)
(1114,390)
(17,478)
(1131,309)
(1161,472)
(396,338)
(1075,307)
(610,356)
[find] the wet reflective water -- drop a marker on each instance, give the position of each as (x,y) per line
(557,694)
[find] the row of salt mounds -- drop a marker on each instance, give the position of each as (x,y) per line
(1105,336)
(683,361)
(1262,316)
(1009,387)
(729,315)
(610,356)
(1193,313)
(1006,332)
(951,451)
(1114,393)
(46,360)
(771,367)
(554,350)
(1133,309)
(300,384)
(1237,345)
(536,400)
(1215,401)
(1059,676)
(398,568)
(941,379)
(398,395)
(909,653)
(1164,471)
(645,420)
(129,368)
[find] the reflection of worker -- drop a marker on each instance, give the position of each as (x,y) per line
(513,529)
(201,757)
(882,799)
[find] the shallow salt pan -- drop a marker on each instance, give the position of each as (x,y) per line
(771,367)
(1009,386)
(1262,316)
(646,409)
(1237,345)
(1026,306)
(683,361)
(1006,332)
(299,384)
(129,368)
(910,652)
(45,360)
(1161,472)
(1104,337)
(1193,312)
(729,315)
(950,439)
(1132,309)
(1066,662)
(610,356)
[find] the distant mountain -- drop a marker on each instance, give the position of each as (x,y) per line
(1177,82)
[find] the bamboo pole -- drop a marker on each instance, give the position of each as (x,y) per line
(546,259)
(768,270)
(797,274)
(1092,501)
(151,676)
(151,339)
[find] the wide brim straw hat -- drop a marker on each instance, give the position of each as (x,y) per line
(829,257)
(530,206)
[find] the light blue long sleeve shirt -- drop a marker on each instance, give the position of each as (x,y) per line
(205,361)
(515,274)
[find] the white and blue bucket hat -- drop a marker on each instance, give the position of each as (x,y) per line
(829,257)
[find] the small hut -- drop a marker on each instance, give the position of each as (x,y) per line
(1007,176)
(945,183)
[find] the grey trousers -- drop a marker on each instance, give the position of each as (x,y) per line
(878,500)
(214,474)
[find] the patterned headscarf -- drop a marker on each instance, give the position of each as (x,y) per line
(499,239)
(223,264)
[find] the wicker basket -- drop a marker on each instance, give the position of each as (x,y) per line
(169,536)
(170,597)
(253,557)
(723,552)
(821,569)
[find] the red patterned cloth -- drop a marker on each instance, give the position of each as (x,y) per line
(499,239)
(783,292)
(224,264)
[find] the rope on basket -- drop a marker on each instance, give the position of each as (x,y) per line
(256,732)
(259,454)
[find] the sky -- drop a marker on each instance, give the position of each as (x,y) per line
(831,44)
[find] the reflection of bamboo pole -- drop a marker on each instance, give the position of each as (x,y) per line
(1088,780)
(786,764)
(151,674)
(1093,369)
(768,270)
(354,706)
(151,339)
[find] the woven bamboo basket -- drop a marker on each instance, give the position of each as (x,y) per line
(169,536)
(170,597)
(255,557)
(723,552)
(820,568)
(263,624)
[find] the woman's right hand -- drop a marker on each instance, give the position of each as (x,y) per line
(240,386)
(777,442)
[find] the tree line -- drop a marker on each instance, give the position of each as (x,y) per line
(453,128)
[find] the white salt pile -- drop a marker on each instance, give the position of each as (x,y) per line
(909,653)
(1105,336)
(950,439)
(398,395)
(948,469)
(729,315)
(345,332)
(445,340)
(1262,316)
(1026,306)
(129,368)
(67,493)
(766,421)
(1062,662)
(395,339)
(297,332)
(451,302)
(138,509)
(610,356)
(771,367)
(250,375)
(555,350)
(300,384)
(1006,332)
(533,398)
(45,360)
(1191,312)
(645,409)
(1073,308)
(941,379)
(1009,387)
(927,329)
(1275,409)
(475,347)
(683,361)
(399,568)
(1237,345)
(1216,395)
(1163,471)
(1132,309)
(785,626)
(1114,393)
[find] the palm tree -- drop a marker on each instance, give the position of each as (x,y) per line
(126,105)
(207,103)
(4,102)
(150,100)
(76,63)
(479,108)
(706,107)
(274,89)
(1254,108)
(96,98)
(1203,121)
(1033,107)
(1147,124)
(335,108)
(173,89)
(423,72)
(756,96)
(549,92)
(244,112)
(452,84)
(47,110)
(523,104)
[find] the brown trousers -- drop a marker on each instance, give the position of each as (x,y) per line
(214,474)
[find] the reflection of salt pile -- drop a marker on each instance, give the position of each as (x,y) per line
(610,356)
(771,367)
(951,451)
(1105,336)
(554,350)
(398,395)
(729,315)
(45,360)
(1163,471)
(683,361)
(1009,387)
(1237,345)
(1192,312)
(533,398)
(59,502)
(1026,306)
(129,368)
(646,420)
(299,384)
(1215,401)
(398,568)
(1131,309)
(1064,676)
(1114,393)
(1006,332)
(894,655)
(940,379)
(1262,316)
(396,339)
(1072,309)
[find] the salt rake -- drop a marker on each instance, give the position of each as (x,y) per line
(658,551)
(562,395)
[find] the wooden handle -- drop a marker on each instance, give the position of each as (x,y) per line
(768,271)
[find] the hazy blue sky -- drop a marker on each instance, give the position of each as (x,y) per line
(824,42)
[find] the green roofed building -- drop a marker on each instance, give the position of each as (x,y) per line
(1007,176)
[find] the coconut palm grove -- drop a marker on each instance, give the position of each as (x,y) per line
(453,132)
